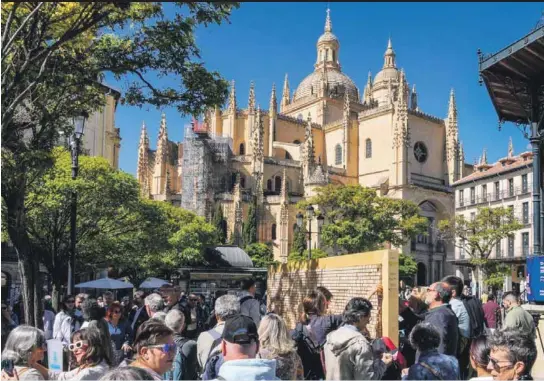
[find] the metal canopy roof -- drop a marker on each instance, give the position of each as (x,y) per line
(508,73)
(227,256)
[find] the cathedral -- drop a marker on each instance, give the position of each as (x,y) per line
(324,132)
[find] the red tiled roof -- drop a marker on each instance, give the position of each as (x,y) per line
(498,167)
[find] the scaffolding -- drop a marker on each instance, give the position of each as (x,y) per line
(205,169)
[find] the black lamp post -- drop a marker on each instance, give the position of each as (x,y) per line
(320,221)
(79,127)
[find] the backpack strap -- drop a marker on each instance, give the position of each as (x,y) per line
(433,371)
(246,298)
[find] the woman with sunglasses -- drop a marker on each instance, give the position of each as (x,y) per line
(25,346)
(120,331)
(155,348)
(89,354)
(65,323)
(512,355)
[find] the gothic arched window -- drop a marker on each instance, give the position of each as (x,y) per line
(269,185)
(242,149)
(368,151)
(338,154)
(274,231)
(333,56)
(242,181)
(278,183)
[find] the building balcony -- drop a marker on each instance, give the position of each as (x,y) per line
(492,197)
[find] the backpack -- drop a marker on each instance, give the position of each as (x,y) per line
(180,362)
(476,316)
(211,370)
(210,367)
(310,352)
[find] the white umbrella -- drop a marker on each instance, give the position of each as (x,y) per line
(153,283)
(108,283)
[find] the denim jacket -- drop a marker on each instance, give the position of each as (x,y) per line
(445,366)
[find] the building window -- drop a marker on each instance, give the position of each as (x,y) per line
(525,240)
(242,149)
(472,216)
(497,190)
(278,183)
(510,187)
(338,154)
(242,181)
(421,152)
(288,155)
(524,184)
(461,197)
(511,213)
(368,151)
(511,245)
(472,195)
(269,185)
(525,212)
(273,231)
(484,193)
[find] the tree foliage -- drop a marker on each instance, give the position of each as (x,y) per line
(407,265)
(478,237)
(358,220)
(219,222)
(54,58)
(299,241)
(295,256)
(261,254)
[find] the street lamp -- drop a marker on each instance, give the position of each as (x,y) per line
(79,128)
(310,215)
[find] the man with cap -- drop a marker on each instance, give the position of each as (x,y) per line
(239,349)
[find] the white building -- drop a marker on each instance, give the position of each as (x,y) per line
(506,183)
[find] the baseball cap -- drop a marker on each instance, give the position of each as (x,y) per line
(240,329)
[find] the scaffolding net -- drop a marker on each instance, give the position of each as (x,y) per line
(205,169)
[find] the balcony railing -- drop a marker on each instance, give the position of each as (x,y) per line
(490,197)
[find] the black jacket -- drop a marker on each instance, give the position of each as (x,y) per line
(444,319)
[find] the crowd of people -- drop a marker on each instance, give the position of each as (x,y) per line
(167,335)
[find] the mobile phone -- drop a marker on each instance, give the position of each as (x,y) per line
(8,367)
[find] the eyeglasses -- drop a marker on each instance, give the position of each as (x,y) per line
(166,348)
(496,367)
(78,345)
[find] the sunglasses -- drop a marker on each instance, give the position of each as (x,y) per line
(165,348)
(77,345)
(116,312)
(496,366)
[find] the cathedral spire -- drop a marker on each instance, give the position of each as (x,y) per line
(232,99)
(142,171)
(413,99)
(389,56)
(510,148)
(367,94)
(162,142)
(251,100)
(403,89)
(273,100)
(328,22)
(285,98)
(452,108)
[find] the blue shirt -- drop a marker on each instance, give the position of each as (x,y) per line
(447,367)
(461,312)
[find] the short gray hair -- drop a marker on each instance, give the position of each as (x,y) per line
(443,290)
(227,306)
(160,316)
(519,345)
(126,373)
(155,302)
(175,320)
(20,343)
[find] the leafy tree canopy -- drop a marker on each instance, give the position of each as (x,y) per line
(407,265)
(295,256)
(261,254)
(358,220)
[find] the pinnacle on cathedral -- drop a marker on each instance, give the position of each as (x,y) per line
(232,99)
(273,100)
(285,98)
(162,143)
(251,100)
(389,56)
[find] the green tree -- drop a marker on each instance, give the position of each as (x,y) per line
(54,57)
(407,265)
(295,256)
(220,224)
(478,237)
(358,220)
(261,254)
(299,241)
(249,229)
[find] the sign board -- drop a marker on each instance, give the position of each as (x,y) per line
(55,355)
(535,278)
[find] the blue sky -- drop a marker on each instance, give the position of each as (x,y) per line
(435,43)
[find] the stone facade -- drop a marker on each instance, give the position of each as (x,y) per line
(328,132)
(346,277)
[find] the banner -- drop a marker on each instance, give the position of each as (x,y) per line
(55,355)
(535,278)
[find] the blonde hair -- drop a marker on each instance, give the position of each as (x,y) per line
(484,298)
(274,337)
